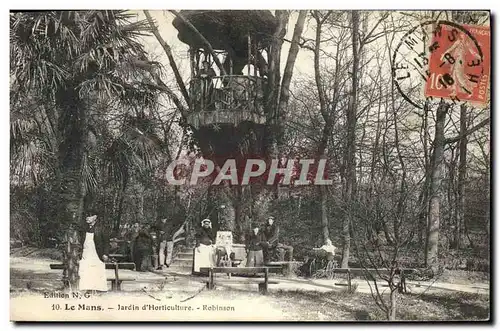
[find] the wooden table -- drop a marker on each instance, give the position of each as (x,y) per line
(263,285)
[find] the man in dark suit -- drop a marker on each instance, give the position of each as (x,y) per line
(143,249)
(253,246)
(272,244)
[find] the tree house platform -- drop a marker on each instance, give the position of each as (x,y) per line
(224,117)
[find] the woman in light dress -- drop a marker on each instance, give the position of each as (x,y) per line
(92,269)
(204,252)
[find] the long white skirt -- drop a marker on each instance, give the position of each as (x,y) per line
(204,256)
(92,270)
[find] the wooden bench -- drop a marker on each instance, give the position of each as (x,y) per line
(116,282)
(371,274)
(263,285)
(120,258)
(286,266)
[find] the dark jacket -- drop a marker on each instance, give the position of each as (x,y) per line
(143,243)
(101,238)
(253,241)
(271,233)
(205,236)
(165,231)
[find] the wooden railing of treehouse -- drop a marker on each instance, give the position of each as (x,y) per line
(231,99)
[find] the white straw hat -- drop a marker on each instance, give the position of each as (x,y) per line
(90,219)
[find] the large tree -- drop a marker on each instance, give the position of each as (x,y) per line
(68,61)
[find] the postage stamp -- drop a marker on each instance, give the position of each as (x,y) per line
(250,165)
(424,65)
(459,63)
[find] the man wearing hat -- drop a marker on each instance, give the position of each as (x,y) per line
(272,244)
(204,252)
(164,230)
(253,245)
(271,232)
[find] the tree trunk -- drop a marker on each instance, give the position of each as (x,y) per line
(140,203)
(432,242)
(72,127)
(328,117)
(462,171)
(119,212)
(423,198)
(324,212)
(392,306)
(239,222)
(350,158)
(290,63)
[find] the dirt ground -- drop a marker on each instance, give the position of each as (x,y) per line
(182,297)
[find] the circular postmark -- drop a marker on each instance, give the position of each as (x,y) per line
(437,59)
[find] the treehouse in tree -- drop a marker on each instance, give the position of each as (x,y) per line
(228,76)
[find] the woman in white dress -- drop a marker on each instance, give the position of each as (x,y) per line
(204,252)
(92,269)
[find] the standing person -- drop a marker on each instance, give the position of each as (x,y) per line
(253,246)
(272,244)
(92,269)
(131,236)
(143,249)
(207,86)
(271,233)
(164,229)
(155,243)
(204,252)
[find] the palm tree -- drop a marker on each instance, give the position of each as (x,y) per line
(68,60)
(135,152)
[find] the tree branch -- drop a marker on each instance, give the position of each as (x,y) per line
(468,132)
(292,56)
(171,59)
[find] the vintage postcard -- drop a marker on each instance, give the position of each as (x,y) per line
(250,165)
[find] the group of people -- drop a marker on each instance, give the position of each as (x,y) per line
(261,245)
(149,247)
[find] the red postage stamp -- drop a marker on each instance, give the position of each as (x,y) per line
(459,63)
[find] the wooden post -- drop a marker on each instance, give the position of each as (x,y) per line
(192,83)
(266,279)
(210,279)
(348,280)
(192,62)
(403,282)
(117,279)
(263,286)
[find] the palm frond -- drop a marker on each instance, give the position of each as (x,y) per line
(52,50)
(89,175)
